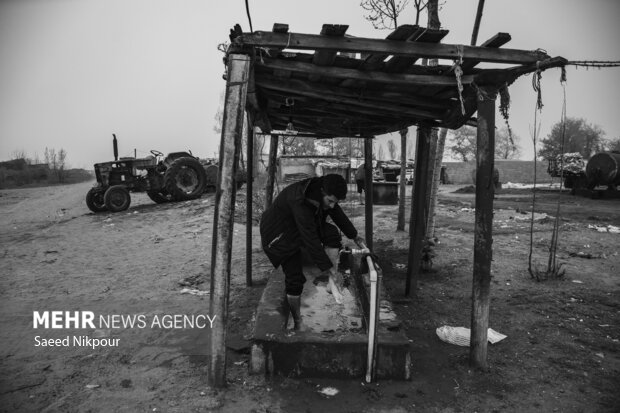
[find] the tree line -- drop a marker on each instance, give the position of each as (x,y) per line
(52,168)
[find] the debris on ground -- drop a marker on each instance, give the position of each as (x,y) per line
(461,335)
(193,291)
(609,228)
(329,391)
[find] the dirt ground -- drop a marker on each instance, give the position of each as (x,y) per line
(562,351)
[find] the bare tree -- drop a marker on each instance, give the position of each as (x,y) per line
(51,158)
(419,6)
(463,143)
(613,145)
(383,14)
(20,154)
(293,145)
(505,148)
(380,153)
(60,165)
(434,164)
(392,149)
(56,162)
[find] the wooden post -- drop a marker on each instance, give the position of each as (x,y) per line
(249,203)
(368,188)
(232,129)
(483,239)
(271,170)
(402,190)
(417,224)
(430,175)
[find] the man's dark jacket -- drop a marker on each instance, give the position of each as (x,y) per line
(294,220)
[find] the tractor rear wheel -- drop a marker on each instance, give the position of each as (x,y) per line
(159,196)
(94,199)
(185,179)
(117,198)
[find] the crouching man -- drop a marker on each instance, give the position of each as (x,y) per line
(297,218)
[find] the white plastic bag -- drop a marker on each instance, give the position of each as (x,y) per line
(461,335)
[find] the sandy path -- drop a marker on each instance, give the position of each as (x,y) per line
(57,255)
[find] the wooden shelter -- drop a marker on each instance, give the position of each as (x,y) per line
(335,85)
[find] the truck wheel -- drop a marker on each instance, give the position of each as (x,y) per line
(117,198)
(94,199)
(185,179)
(159,196)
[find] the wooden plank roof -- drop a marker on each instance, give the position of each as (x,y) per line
(332,84)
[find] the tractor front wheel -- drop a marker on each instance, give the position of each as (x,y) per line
(185,179)
(94,199)
(117,198)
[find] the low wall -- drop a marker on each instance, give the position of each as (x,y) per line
(509,171)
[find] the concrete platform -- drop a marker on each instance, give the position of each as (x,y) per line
(335,342)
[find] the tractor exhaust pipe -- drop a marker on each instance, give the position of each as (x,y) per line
(115,147)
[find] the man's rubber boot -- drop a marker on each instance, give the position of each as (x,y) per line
(294,304)
(286,310)
(332,284)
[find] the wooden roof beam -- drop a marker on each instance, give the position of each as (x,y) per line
(367,76)
(494,42)
(390,47)
(399,63)
(323,57)
(392,95)
(333,94)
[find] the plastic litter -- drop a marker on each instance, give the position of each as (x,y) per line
(461,335)
(329,391)
(609,228)
(193,291)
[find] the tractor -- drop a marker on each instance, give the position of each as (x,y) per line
(179,176)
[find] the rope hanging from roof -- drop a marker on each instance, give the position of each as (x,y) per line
(458,72)
(536,76)
(504,107)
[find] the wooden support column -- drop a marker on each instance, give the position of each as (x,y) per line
(249,202)
(402,187)
(483,239)
(232,129)
(271,169)
(368,189)
(430,175)
(417,223)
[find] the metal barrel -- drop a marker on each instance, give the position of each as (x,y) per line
(604,169)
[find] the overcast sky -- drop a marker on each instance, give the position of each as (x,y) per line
(72,72)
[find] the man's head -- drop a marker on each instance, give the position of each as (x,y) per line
(334,190)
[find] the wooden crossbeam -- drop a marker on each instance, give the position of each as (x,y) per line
(277,28)
(324,57)
(414,49)
(399,63)
(318,91)
(494,42)
(368,76)
(384,93)
(375,61)
(402,32)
